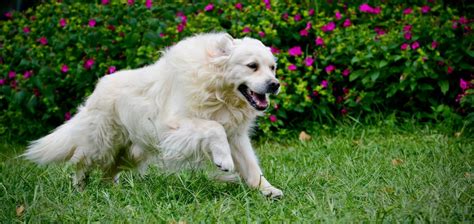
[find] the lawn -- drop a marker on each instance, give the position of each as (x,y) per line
(348,173)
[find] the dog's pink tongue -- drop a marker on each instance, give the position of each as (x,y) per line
(260,99)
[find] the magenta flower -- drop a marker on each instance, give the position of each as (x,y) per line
(64,68)
(434,44)
(425,9)
(463,20)
(267,4)
(407,11)
(311,12)
(377,10)
(238,6)
(112,69)
(338,15)
(308,61)
(105,2)
(295,51)
(379,31)
(26,29)
(324,83)
(67,116)
(27,74)
(261,34)
(415,45)
(291,67)
(11,74)
(180,27)
(366,8)
(9,15)
(92,23)
(407,28)
(304,32)
(404,46)
(330,68)
(2,82)
(407,35)
(162,35)
(209,7)
(274,50)
(343,111)
(62,22)
(273,118)
(308,26)
(346,72)
(130,2)
(328,27)
(319,41)
(347,23)
(450,69)
(89,63)
(43,40)
(297,17)
(284,16)
(463,84)
(148,4)
(246,30)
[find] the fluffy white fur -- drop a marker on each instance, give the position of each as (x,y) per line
(182,108)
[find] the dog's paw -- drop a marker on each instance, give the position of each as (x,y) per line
(272,192)
(225,164)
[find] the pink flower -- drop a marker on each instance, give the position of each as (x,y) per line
(366,8)
(346,72)
(105,2)
(112,69)
(463,20)
(64,68)
(89,63)
(2,82)
(261,34)
(26,29)
(434,44)
(11,74)
(304,33)
(246,30)
(311,12)
(404,46)
(180,27)
(463,84)
(338,15)
(328,27)
(209,7)
(130,2)
(291,67)
(67,116)
(92,23)
(9,15)
(319,41)
(238,6)
(425,9)
(330,68)
(343,111)
(450,69)
(27,74)
(309,61)
(148,4)
(324,83)
(267,4)
(415,45)
(274,50)
(407,28)
(43,40)
(308,26)
(276,107)
(162,35)
(407,35)
(376,10)
(284,16)
(297,17)
(273,118)
(62,22)
(379,31)
(407,11)
(347,23)
(295,51)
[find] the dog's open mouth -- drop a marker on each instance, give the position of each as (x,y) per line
(257,100)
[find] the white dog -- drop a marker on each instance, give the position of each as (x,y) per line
(201,98)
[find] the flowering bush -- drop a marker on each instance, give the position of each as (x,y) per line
(334,59)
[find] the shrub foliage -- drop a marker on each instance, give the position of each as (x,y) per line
(335,59)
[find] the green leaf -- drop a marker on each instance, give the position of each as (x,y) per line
(444,85)
(375,75)
(356,74)
(383,63)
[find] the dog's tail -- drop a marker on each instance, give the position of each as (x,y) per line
(56,147)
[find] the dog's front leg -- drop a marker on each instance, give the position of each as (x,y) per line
(248,168)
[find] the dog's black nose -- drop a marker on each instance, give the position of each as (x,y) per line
(273,87)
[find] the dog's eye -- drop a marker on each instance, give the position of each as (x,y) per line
(272,67)
(253,66)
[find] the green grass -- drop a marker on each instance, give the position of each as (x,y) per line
(401,173)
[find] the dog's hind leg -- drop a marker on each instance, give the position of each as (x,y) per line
(79,179)
(187,136)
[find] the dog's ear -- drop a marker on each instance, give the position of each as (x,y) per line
(225,45)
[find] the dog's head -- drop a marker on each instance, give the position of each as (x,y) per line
(250,69)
